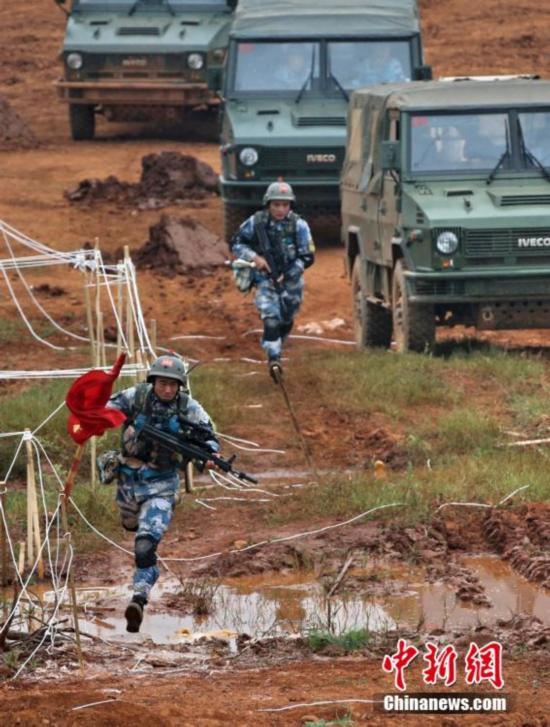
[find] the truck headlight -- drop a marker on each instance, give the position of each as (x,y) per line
(447,243)
(248,156)
(195,61)
(74,61)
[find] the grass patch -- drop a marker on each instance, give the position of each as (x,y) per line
(485,477)
(349,641)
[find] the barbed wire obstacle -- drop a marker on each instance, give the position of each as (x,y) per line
(110,296)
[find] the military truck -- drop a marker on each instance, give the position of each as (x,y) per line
(446,208)
(142,60)
(291,67)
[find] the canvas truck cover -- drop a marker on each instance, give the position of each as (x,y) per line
(450,95)
(324,18)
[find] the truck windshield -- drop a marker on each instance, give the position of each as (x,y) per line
(276,66)
(363,63)
(536,134)
(458,142)
(144,5)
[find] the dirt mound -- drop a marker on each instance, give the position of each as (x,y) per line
(180,246)
(522,538)
(166,178)
(14,132)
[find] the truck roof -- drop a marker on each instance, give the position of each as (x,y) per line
(450,95)
(324,18)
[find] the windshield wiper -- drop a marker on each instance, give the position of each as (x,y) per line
(529,156)
(345,94)
(309,77)
(333,78)
(505,155)
(137,3)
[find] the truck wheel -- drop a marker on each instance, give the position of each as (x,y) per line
(233,217)
(371,323)
(413,323)
(82,121)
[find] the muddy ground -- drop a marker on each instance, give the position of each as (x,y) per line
(210,683)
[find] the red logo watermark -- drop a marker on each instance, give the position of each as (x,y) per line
(480,664)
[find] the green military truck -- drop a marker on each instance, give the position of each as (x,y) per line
(142,60)
(291,67)
(446,208)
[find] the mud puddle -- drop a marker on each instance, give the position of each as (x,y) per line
(384,597)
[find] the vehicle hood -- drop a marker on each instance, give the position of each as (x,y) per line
(282,121)
(475,205)
(146,33)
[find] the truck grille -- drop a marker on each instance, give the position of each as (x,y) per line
(302,162)
(138,31)
(518,243)
(521,199)
(320,121)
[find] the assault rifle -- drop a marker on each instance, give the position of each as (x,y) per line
(274,274)
(193,450)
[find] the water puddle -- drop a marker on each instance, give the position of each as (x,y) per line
(385,596)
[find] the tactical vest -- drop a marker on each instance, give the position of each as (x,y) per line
(282,237)
(167,417)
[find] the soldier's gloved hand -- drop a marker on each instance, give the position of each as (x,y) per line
(261,263)
(295,270)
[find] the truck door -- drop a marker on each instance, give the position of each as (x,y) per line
(389,198)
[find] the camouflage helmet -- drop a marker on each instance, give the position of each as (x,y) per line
(169,366)
(279,191)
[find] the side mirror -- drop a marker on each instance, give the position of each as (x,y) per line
(389,156)
(423,73)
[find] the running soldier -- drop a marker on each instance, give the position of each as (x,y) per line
(278,243)
(148,480)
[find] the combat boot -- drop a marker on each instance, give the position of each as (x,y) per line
(275,370)
(134,614)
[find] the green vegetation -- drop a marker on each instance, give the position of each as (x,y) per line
(449,415)
(353,640)
(343,721)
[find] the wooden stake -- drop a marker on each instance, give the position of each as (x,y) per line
(21,562)
(129,311)
(3,547)
(120,314)
(33,525)
(67,489)
(154,334)
(89,317)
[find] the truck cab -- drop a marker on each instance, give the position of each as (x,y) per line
(446,208)
(291,68)
(141,60)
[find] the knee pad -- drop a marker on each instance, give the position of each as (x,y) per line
(286,328)
(129,522)
(145,550)
(271,329)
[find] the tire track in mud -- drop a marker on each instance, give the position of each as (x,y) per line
(523,539)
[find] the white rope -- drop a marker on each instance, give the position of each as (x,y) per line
(24,317)
(130,370)
(319,704)
(50,416)
(35,301)
(15,456)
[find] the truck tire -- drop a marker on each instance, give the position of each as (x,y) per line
(233,217)
(413,323)
(82,121)
(372,324)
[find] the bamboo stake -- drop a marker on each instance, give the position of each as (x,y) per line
(154,334)
(69,482)
(3,546)
(129,311)
(120,315)
(34,538)
(89,317)
(21,562)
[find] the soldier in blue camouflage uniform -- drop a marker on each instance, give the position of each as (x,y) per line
(148,480)
(279,292)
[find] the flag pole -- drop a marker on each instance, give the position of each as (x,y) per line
(69,482)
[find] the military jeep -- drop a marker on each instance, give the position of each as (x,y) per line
(291,67)
(446,208)
(142,60)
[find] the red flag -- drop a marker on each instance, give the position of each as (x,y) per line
(87,399)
